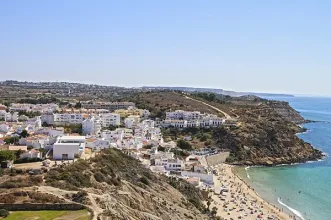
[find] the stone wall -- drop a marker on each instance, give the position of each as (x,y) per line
(217,158)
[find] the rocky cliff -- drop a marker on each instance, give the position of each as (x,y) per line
(267,136)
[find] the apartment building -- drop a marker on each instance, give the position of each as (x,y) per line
(91,126)
(68,118)
(184,115)
(112,106)
(7,116)
(110,119)
(174,123)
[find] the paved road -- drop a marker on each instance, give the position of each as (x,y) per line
(226,115)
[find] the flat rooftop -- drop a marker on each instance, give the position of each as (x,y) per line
(71,138)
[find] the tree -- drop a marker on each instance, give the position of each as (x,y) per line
(208,203)
(18,154)
(24,134)
(7,155)
(4,213)
(44,124)
(11,140)
(78,105)
(182,144)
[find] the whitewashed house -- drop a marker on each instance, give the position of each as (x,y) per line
(31,154)
(170,164)
(131,121)
(91,126)
(48,117)
(4,128)
(34,122)
(68,147)
(113,136)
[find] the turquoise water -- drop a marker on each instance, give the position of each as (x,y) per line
(304,189)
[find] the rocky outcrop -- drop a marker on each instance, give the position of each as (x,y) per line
(267,136)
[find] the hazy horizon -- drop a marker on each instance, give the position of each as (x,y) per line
(256,46)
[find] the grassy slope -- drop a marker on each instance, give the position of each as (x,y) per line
(48,215)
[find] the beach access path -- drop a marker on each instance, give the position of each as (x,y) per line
(240,202)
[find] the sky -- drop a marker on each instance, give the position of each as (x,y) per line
(262,46)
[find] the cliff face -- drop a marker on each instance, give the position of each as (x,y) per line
(267,136)
(286,111)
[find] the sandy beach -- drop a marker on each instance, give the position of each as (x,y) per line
(239,201)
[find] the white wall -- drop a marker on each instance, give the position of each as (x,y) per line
(207,178)
(60,149)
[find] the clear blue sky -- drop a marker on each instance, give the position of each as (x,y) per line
(264,46)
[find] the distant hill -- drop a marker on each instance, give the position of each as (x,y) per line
(218,91)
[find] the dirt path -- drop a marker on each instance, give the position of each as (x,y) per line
(226,115)
(61,194)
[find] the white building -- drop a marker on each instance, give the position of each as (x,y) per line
(183,115)
(193,123)
(31,154)
(113,136)
(4,128)
(68,118)
(34,122)
(149,123)
(110,119)
(97,143)
(48,117)
(170,164)
(68,147)
(131,121)
(145,113)
(107,105)
(7,116)
(91,126)
(32,107)
(174,123)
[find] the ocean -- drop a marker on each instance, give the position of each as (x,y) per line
(301,189)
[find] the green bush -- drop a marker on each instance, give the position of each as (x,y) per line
(4,213)
(27,160)
(182,144)
(144,180)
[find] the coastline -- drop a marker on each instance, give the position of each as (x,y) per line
(242,196)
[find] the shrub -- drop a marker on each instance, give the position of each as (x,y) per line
(4,213)
(99,177)
(79,197)
(27,160)
(7,198)
(144,180)
(184,144)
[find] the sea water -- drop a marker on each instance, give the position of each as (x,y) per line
(303,190)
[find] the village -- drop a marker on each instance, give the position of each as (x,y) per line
(52,136)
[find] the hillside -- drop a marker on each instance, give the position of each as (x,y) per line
(111,185)
(116,186)
(266,131)
(160,102)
